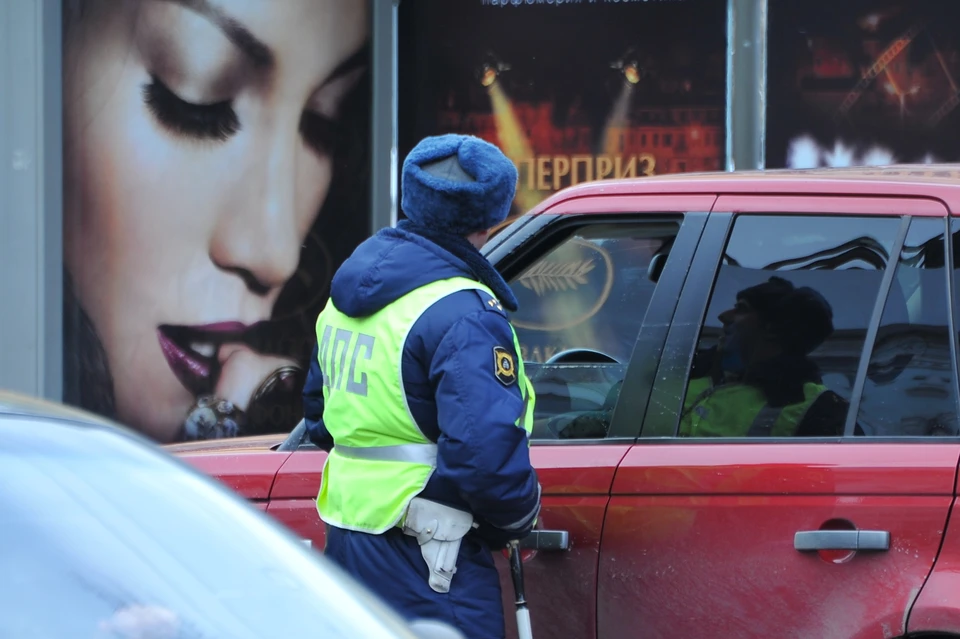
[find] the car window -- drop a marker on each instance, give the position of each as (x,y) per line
(582,302)
(786,326)
(101,537)
(910,387)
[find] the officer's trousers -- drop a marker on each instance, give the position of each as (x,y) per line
(392,567)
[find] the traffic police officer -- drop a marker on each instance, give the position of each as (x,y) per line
(417,390)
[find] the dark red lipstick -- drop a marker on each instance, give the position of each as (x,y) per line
(191,351)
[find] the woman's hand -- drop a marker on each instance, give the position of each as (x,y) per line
(243,372)
(251,388)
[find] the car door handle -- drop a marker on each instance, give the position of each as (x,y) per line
(807,540)
(548,540)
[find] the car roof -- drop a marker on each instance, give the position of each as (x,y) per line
(22,405)
(938,181)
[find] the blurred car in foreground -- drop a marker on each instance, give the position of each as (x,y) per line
(104,536)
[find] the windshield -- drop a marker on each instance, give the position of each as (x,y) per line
(102,537)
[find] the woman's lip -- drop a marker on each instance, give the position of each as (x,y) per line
(219,327)
(193,371)
(192,351)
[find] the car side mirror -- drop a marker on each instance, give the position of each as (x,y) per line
(430,629)
(297,437)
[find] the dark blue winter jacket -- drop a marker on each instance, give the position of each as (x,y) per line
(448,372)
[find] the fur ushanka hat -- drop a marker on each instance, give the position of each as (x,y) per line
(457,184)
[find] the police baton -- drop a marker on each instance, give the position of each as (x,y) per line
(524,629)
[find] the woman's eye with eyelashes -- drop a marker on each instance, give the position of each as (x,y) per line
(216,121)
(319,132)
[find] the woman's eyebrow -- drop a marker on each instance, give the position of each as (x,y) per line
(258,52)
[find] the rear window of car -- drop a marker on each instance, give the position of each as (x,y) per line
(102,537)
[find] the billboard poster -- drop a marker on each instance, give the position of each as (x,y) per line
(216,174)
(570,90)
(863,83)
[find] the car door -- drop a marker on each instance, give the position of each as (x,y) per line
(830,530)
(246,465)
(937,608)
(293,496)
(586,274)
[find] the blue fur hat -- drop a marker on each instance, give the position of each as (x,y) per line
(458,184)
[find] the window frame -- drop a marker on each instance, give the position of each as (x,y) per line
(683,332)
(513,236)
(953,226)
(683,337)
(649,341)
(640,378)
(871,337)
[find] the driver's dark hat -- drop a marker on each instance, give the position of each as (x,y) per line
(800,316)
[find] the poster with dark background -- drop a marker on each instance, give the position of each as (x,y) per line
(863,82)
(570,91)
(216,173)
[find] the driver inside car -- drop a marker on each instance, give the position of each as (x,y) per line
(759,380)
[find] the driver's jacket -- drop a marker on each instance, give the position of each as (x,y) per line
(741,410)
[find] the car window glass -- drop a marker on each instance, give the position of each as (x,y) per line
(909,390)
(101,537)
(581,306)
(786,325)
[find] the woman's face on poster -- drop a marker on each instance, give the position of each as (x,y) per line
(198,154)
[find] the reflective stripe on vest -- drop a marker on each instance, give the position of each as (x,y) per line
(412,453)
(740,410)
(380,459)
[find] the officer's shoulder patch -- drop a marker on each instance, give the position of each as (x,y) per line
(490,302)
(504,368)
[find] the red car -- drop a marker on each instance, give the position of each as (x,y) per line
(828,520)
